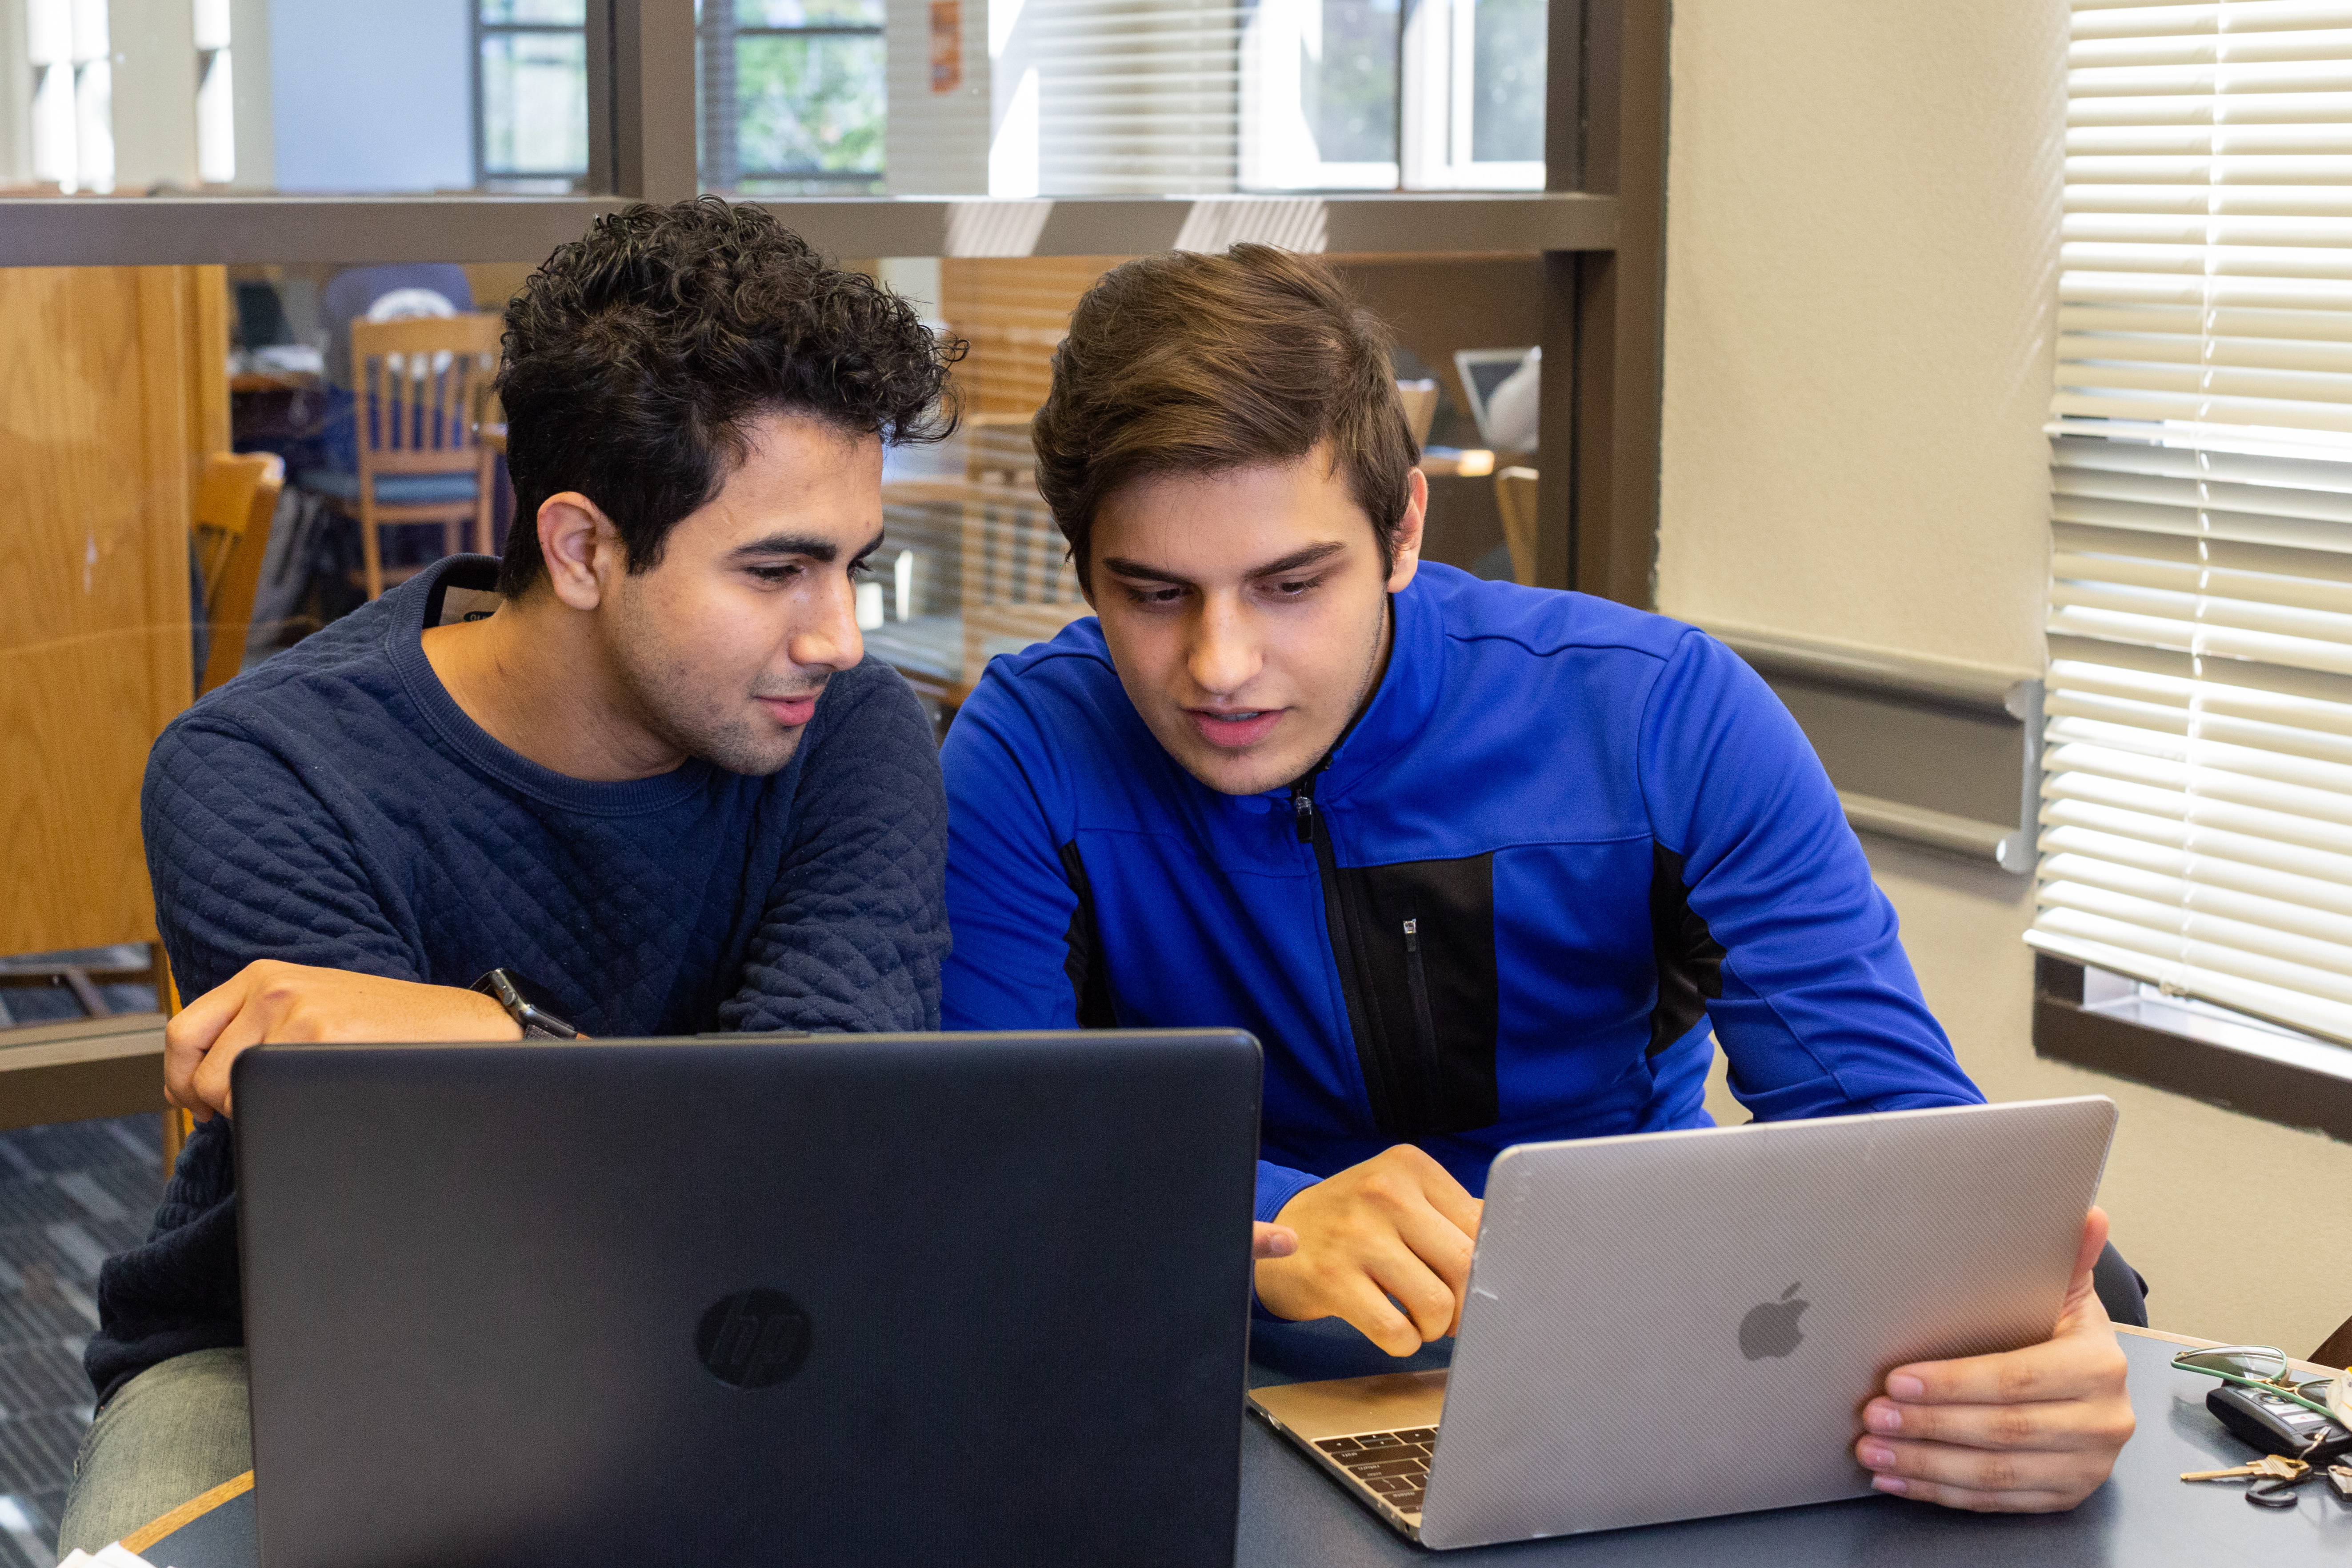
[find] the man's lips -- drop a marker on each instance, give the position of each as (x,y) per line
(1234,729)
(792,712)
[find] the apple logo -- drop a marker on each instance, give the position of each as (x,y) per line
(1769,1329)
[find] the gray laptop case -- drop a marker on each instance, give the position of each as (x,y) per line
(963,1299)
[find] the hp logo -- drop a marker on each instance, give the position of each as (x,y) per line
(753,1338)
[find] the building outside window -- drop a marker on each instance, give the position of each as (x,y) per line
(531,100)
(1376,94)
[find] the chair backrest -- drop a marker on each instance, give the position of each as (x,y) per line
(1420,399)
(427,288)
(419,385)
(236,500)
(1515,498)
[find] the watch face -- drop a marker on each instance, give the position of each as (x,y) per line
(529,993)
(529,1005)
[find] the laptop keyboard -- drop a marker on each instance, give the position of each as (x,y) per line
(1393,1464)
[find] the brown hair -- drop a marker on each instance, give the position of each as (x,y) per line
(1199,364)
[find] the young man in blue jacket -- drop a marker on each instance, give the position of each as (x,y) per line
(1478,864)
(641,764)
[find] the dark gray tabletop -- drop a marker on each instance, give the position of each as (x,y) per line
(1293,1516)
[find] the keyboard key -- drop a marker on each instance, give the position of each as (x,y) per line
(1406,1502)
(1371,1468)
(1420,1434)
(1336,1446)
(1388,1486)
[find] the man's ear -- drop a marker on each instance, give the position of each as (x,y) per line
(581,547)
(1407,533)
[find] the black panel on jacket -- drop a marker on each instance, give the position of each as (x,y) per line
(1424,1002)
(1089,975)
(1690,961)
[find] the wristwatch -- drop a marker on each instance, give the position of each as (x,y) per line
(526,1003)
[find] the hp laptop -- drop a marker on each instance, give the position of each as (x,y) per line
(968,1299)
(1672,1325)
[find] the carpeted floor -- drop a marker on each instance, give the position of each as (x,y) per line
(70,1195)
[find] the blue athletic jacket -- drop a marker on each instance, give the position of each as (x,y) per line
(1564,838)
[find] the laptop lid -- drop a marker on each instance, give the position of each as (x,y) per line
(1673,1325)
(850,1299)
(1482,370)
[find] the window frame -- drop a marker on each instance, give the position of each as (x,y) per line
(1599,227)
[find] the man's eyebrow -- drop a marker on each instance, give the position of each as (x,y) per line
(1299,559)
(1295,561)
(820,549)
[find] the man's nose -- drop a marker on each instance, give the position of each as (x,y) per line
(828,634)
(1224,657)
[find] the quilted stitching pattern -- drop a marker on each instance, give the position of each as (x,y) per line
(312,812)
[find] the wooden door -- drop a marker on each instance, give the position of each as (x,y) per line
(113,385)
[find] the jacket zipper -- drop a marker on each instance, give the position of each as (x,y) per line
(1349,946)
(1427,1026)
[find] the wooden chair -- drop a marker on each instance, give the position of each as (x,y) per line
(1420,399)
(419,387)
(1515,498)
(236,500)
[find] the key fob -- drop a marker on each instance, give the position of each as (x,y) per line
(2277,1426)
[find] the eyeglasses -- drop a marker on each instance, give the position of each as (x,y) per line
(2263,1367)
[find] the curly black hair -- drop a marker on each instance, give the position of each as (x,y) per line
(635,355)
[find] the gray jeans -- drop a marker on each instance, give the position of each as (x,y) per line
(174,1432)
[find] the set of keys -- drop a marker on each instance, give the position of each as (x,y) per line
(2274,1478)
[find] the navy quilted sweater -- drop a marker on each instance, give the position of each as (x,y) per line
(336,807)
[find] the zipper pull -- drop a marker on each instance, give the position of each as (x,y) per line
(1302,811)
(1412,936)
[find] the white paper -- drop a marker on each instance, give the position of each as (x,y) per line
(112,1556)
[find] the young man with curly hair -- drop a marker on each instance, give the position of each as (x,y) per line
(642,764)
(1478,864)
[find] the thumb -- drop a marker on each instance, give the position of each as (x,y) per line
(1272,1240)
(2080,1290)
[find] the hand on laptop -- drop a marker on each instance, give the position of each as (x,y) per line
(1397,1225)
(2028,1431)
(268,1001)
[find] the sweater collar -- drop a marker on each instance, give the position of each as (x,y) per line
(403,641)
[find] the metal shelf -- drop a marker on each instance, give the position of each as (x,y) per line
(117,231)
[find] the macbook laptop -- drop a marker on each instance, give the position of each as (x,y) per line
(1482,370)
(888,1300)
(1672,1325)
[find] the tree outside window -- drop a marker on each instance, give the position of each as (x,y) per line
(793,96)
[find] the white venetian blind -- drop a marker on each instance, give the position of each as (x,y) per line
(2197,802)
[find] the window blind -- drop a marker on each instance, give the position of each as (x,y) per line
(2196,799)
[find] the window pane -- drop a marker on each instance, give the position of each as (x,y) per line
(808,13)
(534,104)
(1351,91)
(1508,78)
(549,13)
(808,105)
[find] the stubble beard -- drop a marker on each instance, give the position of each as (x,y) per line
(671,704)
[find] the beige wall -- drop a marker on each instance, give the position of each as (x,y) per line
(1861,273)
